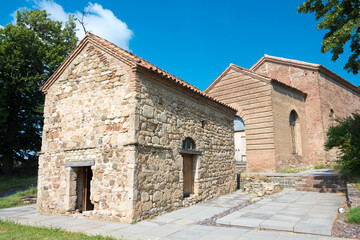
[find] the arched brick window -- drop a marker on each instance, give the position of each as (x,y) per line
(294,131)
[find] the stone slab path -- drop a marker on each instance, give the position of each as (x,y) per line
(183,223)
(294,211)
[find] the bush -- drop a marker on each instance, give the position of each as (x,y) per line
(319,166)
(346,137)
(353,215)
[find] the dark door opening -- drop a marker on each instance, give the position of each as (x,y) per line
(84,177)
(188,175)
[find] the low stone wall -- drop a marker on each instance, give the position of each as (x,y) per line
(286,180)
(240,167)
(267,184)
(352,196)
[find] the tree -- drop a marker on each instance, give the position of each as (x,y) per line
(342,20)
(346,137)
(30,51)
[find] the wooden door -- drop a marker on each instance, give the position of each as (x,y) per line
(188,175)
(87,205)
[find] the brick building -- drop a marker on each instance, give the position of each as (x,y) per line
(287,107)
(126,140)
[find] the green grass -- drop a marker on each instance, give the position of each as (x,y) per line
(8,183)
(353,215)
(9,231)
(319,166)
(357,183)
(15,199)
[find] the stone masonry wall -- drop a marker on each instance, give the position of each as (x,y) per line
(284,101)
(89,115)
(167,115)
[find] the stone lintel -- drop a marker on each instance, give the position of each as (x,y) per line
(86,163)
(189,151)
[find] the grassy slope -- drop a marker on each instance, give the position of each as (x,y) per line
(7,183)
(14,231)
(15,199)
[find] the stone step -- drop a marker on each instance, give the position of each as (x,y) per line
(325,190)
(329,177)
(329,183)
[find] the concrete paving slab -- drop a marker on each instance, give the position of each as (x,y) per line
(277,225)
(224,234)
(283,208)
(163,219)
(317,220)
(246,222)
(292,236)
(286,218)
(194,232)
(290,216)
(256,215)
(164,230)
(260,235)
(313,228)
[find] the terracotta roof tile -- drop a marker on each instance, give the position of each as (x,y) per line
(131,58)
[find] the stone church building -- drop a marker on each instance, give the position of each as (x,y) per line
(285,107)
(126,140)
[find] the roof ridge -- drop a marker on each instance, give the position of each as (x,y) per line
(131,58)
(138,60)
(270,79)
(314,66)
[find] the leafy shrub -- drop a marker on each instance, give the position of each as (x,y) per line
(346,137)
(319,166)
(353,215)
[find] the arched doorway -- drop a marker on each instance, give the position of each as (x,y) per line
(239,140)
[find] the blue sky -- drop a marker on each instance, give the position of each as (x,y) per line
(197,40)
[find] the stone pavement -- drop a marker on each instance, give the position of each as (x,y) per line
(183,223)
(294,211)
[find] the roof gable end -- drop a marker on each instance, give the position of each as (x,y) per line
(125,56)
(311,66)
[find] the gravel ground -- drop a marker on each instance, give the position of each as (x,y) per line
(343,229)
(212,220)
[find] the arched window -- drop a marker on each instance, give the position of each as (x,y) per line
(331,113)
(293,121)
(239,124)
(188,144)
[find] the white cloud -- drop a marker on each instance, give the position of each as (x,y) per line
(13,14)
(1,26)
(98,20)
(57,11)
(104,23)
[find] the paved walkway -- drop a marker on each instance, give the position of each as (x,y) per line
(302,212)
(179,224)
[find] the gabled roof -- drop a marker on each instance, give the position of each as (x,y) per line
(256,75)
(306,65)
(125,56)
